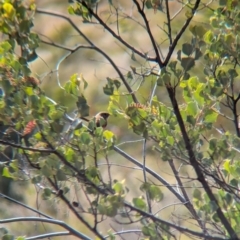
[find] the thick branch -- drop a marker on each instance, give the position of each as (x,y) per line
(196,166)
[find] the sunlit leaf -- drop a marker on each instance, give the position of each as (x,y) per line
(210,116)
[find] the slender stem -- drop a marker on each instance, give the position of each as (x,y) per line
(92,46)
(141,11)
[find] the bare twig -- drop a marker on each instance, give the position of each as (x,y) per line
(92,46)
(141,11)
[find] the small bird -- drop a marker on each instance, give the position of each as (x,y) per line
(100,119)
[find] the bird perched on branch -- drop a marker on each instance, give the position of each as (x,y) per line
(100,119)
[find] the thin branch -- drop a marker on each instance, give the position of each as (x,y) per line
(169,22)
(195,164)
(151,172)
(118,37)
(188,202)
(42,150)
(180,33)
(48,235)
(60,15)
(92,46)
(70,206)
(145,175)
(124,232)
(52,221)
(23,205)
(180,229)
(141,11)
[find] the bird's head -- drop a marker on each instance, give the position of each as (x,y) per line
(104,115)
(101,119)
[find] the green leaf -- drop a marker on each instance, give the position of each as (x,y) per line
(3,231)
(71,10)
(172,65)
(191,119)
(187,63)
(47,192)
(155,193)
(233,73)
(234,182)
(85,83)
(198,31)
(139,203)
(197,194)
(192,108)
(6,173)
(61,176)
(118,187)
(29,91)
(209,37)
(198,54)
(226,165)
(187,49)
(5,47)
(229,39)
(84,138)
(179,57)
(214,22)
(164,78)
(129,75)
(108,90)
(148,4)
(66,190)
(188,14)
(25,25)
(133,57)
(117,83)
(82,106)
(46,171)
(198,95)
(213,144)
(210,116)
(228,198)
(20,238)
(8,237)
(170,140)
(223,2)
(213,206)
(193,83)
(36,179)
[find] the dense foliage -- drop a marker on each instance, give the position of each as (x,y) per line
(197,129)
